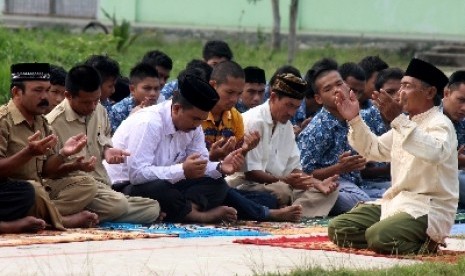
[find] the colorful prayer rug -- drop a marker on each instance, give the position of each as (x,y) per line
(323,243)
(186,230)
(72,235)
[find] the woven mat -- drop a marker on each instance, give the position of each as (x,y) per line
(187,230)
(73,235)
(323,243)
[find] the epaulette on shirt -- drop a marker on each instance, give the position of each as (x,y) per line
(57,111)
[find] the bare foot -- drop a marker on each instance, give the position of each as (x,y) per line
(220,213)
(27,224)
(83,219)
(161,216)
(290,213)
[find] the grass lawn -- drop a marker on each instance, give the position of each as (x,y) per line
(62,47)
(423,269)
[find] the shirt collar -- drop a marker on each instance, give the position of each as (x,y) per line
(70,115)
(330,120)
(267,113)
(225,116)
(422,116)
(169,127)
(16,115)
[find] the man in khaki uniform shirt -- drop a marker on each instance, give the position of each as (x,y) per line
(81,112)
(27,152)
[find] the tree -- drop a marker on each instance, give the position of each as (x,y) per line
(294,7)
(276,31)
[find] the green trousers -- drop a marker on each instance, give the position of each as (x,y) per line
(398,234)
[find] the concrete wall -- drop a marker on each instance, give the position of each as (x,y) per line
(428,19)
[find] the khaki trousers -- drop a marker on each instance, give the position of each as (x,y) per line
(44,208)
(313,202)
(71,194)
(397,234)
(115,206)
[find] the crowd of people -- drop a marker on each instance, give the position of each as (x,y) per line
(377,148)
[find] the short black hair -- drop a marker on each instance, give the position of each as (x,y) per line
(82,78)
(158,58)
(216,48)
(142,71)
(179,99)
(121,89)
(352,69)
(284,70)
(57,75)
(226,69)
(319,69)
(106,66)
(388,74)
(456,79)
(201,65)
(372,64)
(20,84)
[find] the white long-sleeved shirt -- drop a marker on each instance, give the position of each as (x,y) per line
(423,155)
(157,148)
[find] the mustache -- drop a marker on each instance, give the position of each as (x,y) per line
(44,103)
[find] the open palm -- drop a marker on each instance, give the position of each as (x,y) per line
(74,144)
(347,105)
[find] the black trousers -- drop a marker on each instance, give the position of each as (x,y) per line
(176,199)
(16,199)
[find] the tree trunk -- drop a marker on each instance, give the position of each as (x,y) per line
(276,33)
(292,31)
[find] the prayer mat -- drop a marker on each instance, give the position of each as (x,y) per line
(185,230)
(71,235)
(323,243)
(284,228)
(460,216)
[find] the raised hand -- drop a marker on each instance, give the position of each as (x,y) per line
(115,156)
(298,180)
(38,146)
(85,166)
(347,104)
(145,103)
(194,166)
(389,107)
(220,148)
(233,162)
(74,144)
(328,185)
(349,163)
(251,140)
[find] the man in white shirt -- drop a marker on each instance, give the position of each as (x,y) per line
(169,160)
(274,165)
(418,211)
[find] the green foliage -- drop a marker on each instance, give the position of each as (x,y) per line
(62,47)
(121,32)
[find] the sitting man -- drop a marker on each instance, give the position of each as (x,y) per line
(274,165)
(254,89)
(17,199)
(453,105)
(224,132)
(417,212)
(27,152)
(81,112)
(169,161)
